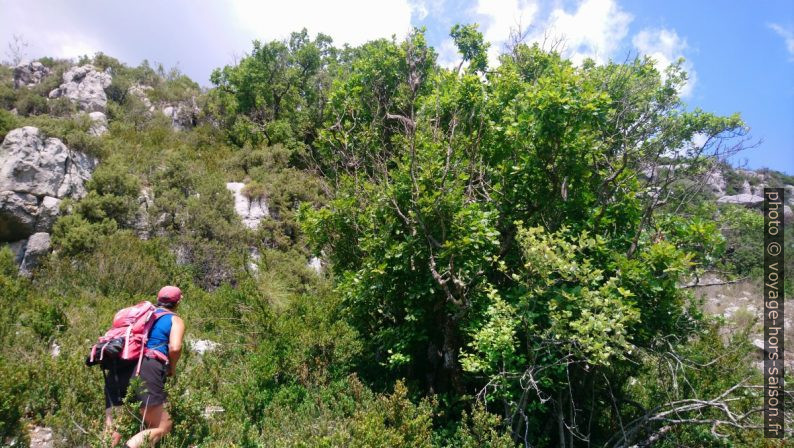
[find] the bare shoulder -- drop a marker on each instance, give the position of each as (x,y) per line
(176,320)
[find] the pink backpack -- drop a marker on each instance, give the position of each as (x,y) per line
(126,339)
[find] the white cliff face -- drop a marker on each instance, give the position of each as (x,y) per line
(250,211)
(85,86)
(29,74)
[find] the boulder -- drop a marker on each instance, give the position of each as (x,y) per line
(250,211)
(746,199)
(85,86)
(99,123)
(31,163)
(789,194)
(29,74)
(18,214)
(48,211)
(38,247)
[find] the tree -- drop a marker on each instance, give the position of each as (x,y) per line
(500,235)
(278,92)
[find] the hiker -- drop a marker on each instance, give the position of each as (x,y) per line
(158,360)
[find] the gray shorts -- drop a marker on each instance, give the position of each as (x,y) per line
(152,390)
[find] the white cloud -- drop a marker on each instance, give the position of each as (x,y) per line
(595,30)
(448,55)
(349,21)
(787,35)
(665,47)
(500,18)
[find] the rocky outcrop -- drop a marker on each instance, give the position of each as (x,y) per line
(36,173)
(99,124)
(251,211)
(37,247)
(85,86)
(715,181)
(29,74)
(31,163)
(746,199)
(139,92)
(140,222)
(183,115)
(18,215)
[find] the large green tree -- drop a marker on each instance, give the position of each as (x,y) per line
(496,232)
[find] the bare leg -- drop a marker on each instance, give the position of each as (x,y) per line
(158,423)
(110,428)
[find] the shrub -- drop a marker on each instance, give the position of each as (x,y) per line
(8,122)
(73,234)
(254,191)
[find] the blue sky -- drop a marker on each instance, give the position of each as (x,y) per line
(740,53)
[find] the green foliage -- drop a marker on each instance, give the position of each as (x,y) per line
(479,428)
(471,46)
(495,251)
(74,234)
(483,227)
(8,121)
(277,93)
(73,131)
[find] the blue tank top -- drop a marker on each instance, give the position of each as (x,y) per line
(160,333)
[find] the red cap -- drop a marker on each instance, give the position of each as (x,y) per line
(169,294)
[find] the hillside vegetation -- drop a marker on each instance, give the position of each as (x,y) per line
(503,252)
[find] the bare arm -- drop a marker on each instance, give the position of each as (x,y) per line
(175,343)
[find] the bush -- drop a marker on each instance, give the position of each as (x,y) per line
(73,234)
(8,122)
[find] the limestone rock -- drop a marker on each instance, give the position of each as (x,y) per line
(41,437)
(251,211)
(140,222)
(36,173)
(183,115)
(85,86)
(316,264)
(201,346)
(18,212)
(716,182)
(139,92)
(99,123)
(18,249)
(38,246)
(33,164)
(47,213)
(746,199)
(29,74)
